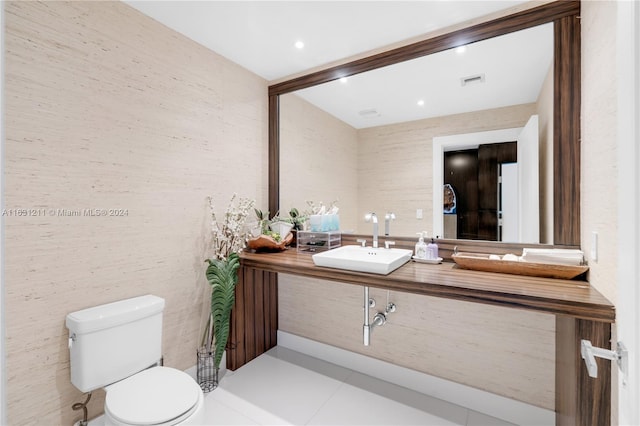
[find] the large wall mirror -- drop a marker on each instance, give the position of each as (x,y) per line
(384,134)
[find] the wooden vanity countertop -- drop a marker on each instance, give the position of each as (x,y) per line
(559,297)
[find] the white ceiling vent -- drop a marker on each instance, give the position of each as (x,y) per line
(369,113)
(472,79)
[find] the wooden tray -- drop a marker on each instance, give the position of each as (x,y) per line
(481,262)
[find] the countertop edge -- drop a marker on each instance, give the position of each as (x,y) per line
(559,297)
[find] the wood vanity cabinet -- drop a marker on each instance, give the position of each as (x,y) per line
(254,318)
(581,313)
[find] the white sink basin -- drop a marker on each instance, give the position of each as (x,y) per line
(363,259)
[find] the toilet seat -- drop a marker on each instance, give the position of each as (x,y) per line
(156,396)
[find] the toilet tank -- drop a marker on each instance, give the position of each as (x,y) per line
(110,342)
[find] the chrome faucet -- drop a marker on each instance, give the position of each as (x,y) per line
(371,217)
(387,220)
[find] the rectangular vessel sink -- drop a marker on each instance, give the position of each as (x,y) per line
(363,259)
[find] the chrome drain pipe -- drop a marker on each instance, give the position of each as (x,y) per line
(366,329)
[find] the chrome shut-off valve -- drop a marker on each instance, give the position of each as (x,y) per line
(379,319)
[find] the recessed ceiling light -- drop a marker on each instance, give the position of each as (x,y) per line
(461,49)
(299,44)
(420,102)
(343,80)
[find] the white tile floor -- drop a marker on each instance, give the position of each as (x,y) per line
(286,387)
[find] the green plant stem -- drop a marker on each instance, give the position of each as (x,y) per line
(223,276)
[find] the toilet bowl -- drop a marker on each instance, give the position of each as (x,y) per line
(117,347)
(156,396)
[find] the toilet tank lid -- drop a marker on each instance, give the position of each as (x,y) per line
(113,314)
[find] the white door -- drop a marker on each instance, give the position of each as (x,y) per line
(529,183)
(509,215)
(628,305)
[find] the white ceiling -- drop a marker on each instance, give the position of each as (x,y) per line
(260,36)
(513,75)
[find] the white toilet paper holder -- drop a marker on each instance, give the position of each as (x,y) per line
(620,355)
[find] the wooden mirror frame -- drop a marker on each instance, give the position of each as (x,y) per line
(566,102)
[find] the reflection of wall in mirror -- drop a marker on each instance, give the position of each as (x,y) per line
(317,158)
(450,226)
(385,168)
(379,169)
(395,162)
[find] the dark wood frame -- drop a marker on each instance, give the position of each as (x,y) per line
(564,15)
(580,400)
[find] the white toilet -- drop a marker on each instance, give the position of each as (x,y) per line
(112,346)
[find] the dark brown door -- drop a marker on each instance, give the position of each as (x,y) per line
(473,174)
(461,172)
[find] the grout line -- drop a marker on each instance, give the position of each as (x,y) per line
(249,407)
(228,407)
(342,384)
(484,402)
(325,403)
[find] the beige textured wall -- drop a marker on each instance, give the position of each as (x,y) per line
(106,108)
(599,148)
(395,163)
(504,351)
(599,152)
(317,157)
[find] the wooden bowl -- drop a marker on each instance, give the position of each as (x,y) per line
(481,262)
(267,243)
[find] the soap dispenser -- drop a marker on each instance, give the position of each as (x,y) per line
(421,247)
(432,250)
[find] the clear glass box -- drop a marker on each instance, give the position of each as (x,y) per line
(313,242)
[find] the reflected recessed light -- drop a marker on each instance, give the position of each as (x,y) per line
(299,44)
(343,80)
(461,49)
(459,161)
(369,113)
(420,102)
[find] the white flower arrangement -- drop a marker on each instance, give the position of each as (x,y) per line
(231,235)
(320,208)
